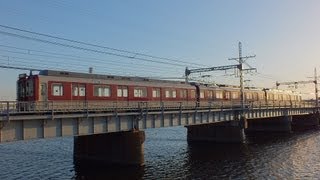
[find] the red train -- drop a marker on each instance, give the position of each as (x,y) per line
(62,86)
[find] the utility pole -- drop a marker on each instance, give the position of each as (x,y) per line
(241,60)
(316,88)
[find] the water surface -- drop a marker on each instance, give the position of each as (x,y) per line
(169,156)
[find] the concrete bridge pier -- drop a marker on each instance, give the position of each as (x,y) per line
(224,132)
(270,124)
(305,122)
(123,148)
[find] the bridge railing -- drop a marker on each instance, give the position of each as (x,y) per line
(83,106)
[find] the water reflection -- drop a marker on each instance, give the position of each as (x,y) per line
(214,160)
(85,170)
(267,137)
(169,156)
(206,151)
(263,155)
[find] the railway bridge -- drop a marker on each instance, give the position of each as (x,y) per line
(113,132)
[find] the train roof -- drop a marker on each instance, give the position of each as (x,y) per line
(101,76)
(153,80)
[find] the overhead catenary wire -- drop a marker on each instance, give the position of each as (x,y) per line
(104,47)
(109,64)
(21,66)
(87,49)
(30,52)
(83,66)
(117,52)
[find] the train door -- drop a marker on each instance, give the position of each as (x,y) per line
(197,94)
(21,90)
(156,96)
(43,92)
(43,95)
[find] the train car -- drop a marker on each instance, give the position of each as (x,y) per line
(79,90)
(66,87)
(281,97)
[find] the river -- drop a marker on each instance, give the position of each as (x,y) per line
(169,156)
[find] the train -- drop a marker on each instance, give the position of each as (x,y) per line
(64,88)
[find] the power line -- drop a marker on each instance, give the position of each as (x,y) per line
(131,56)
(72,57)
(99,46)
(87,49)
(14,59)
(77,59)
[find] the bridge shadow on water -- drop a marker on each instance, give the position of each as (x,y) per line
(233,151)
(86,170)
(206,151)
(207,160)
(237,160)
(262,138)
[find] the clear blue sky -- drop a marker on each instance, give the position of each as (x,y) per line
(284,34)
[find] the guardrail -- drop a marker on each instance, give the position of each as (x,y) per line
(16,107)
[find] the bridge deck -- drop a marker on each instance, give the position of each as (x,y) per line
(39,121)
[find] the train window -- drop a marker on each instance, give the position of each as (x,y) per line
(167,93)
(119,92)
(122,91)
(234,95)
(20,90)
(57,89)
(75,90)
(193,94)
(82,90)
(125,92)
(202,94)
(248,96)
(270,96)
(29,88)
(174,93)
(255,96)
(219,95)
(101,91)
(78,90)
(140,92)
(171,93)
(227,95)
(156,92)
(183,93)
(261,96)
(210,94)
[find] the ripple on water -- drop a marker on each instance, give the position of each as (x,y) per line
(169,156)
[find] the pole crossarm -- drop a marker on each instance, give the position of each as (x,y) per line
(294,82)
(217,68)
(243,58)
(315,81)
(249,69)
